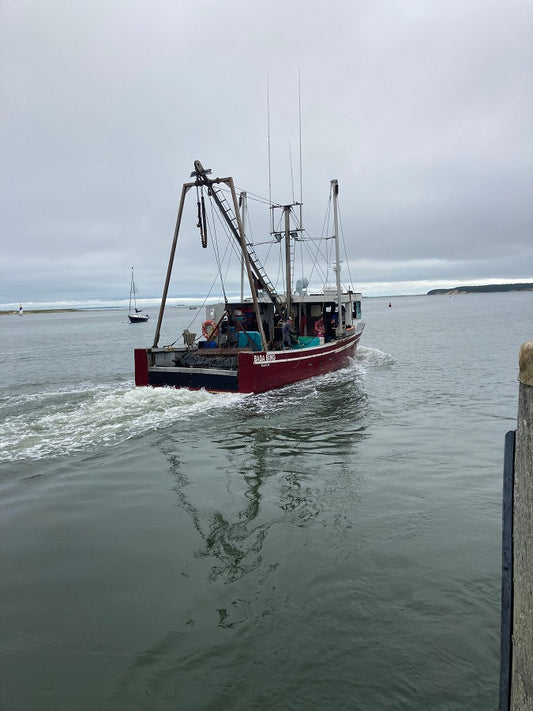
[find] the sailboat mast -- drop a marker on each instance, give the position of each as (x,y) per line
(335,190)
(132,289)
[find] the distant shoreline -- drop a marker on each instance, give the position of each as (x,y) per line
(523,286)
(38,311)
(471,289)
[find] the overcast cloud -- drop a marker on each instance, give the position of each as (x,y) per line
(421,109)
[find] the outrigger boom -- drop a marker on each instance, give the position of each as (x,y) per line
(235,224)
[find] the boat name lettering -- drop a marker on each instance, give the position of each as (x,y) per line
(264,358)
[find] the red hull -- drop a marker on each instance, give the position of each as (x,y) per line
(257,372)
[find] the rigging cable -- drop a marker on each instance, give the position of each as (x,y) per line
(345,252)
(216,252)
(218,276)
(315,263)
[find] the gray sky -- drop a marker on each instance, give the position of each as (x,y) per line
(423,111)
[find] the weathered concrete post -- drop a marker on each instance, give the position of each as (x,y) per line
(522,625)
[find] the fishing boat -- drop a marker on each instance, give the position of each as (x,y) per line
(264,340)
(135,314)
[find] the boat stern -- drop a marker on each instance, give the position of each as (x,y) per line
(141,366)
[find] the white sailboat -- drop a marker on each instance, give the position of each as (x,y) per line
(135,314)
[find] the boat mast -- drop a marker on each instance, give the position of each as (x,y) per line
(244,205)
(132,289)
(134,292)
(337,268)
(288,285)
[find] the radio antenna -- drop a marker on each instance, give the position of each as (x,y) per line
(292,175)
(269,166)
(300,132)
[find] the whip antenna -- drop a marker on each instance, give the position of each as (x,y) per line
(269,166)
(300,132)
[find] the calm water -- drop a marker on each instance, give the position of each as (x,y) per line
(332,545)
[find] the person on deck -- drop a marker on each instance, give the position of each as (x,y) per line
(287,333)
(319,328)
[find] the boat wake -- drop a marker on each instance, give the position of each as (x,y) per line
(372,358)
(55,424)
(346,384)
